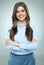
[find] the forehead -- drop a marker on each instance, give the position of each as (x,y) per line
(20,8)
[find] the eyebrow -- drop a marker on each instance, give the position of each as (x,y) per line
(21,10)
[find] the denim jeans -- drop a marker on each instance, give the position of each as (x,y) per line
(27,59)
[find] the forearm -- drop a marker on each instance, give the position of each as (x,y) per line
(31,46)
(12,45)
(16,44)
(10,42)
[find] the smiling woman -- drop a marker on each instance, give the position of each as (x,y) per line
(23,38)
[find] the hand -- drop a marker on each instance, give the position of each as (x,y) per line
(33,40)
(10,42)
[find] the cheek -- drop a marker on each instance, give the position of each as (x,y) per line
(25,14)
(17,14)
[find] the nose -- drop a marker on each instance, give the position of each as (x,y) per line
(20,13)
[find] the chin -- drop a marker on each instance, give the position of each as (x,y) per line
(21,19)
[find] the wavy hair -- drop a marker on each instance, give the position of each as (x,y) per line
(13,30)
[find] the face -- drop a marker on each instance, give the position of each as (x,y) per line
(21,13)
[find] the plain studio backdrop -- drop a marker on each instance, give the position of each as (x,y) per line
(36,9)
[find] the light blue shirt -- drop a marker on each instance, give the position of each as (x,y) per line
(26,46)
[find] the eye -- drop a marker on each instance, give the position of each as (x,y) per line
(22,10)
(17,11)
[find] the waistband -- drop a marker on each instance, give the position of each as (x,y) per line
(21,55)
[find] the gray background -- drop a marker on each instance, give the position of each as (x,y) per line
(36,8)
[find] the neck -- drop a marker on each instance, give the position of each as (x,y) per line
(22,23)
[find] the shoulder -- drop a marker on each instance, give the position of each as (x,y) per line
(35,31)
(9,25)
(33,26)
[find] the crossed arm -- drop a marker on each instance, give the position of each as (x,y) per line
(32,45)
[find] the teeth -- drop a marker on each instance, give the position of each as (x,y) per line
(20,16)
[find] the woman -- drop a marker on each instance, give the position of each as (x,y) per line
(22,40)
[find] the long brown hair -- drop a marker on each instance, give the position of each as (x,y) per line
(13,30)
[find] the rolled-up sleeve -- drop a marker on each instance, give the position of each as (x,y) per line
(29,46)
(15,48)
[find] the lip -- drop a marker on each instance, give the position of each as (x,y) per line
(21,16)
